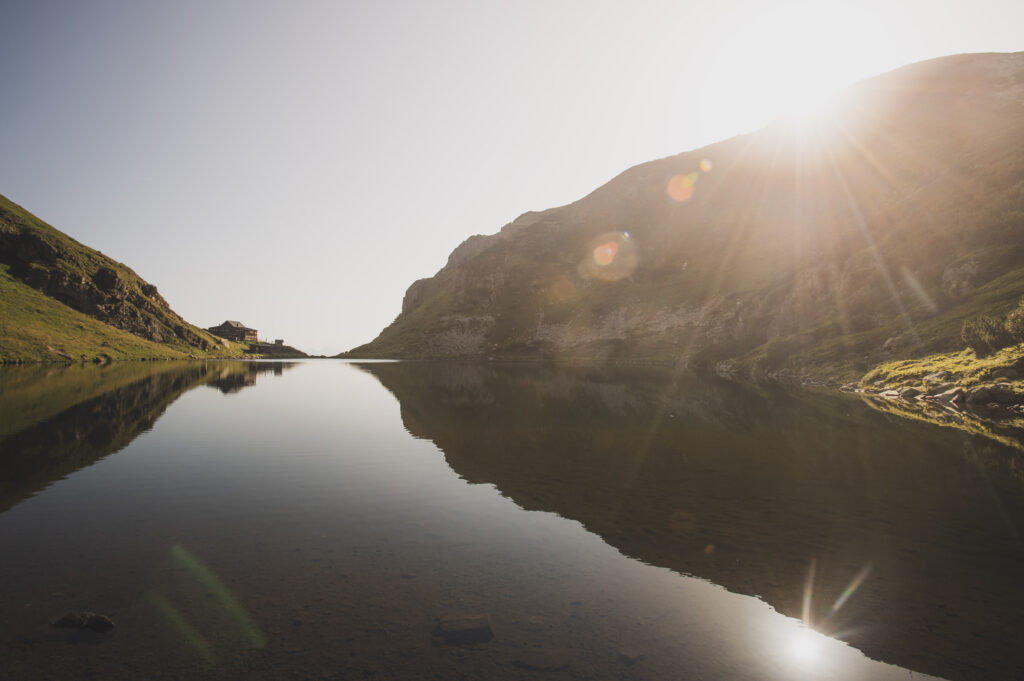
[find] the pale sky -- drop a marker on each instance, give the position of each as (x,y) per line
(295,165)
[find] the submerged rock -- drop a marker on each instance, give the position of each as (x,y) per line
(629,656)
(84,620)
(457,630)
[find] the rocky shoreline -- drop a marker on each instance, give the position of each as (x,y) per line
(992,406)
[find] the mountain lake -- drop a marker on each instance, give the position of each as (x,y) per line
(331,520)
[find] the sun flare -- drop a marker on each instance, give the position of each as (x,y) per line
(812,109)
(781,62)
(804,645)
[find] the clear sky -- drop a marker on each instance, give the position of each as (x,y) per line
(296,165)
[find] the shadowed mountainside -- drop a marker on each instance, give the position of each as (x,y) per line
(821,247)
(755,490)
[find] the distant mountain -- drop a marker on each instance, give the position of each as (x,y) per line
(61,299)
(802,247)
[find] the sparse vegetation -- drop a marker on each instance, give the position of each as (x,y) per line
(984,335)
(1015,323)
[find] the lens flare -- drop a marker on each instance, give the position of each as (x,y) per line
(680,187)
(852,587)
(917,288)
(706,165)
(610,257)
(604,254)
(809,592)
(561,290)
(181,623)
(683,522)
(219,592)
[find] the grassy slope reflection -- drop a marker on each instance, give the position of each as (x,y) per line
(978,419)
(748,489)
(58,420)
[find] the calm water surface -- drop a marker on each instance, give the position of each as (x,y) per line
(318,520)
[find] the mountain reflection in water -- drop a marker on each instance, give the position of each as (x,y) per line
(298,531)
(900,538)
(60,419)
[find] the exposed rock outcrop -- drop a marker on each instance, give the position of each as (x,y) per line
(88,281)
(765,252)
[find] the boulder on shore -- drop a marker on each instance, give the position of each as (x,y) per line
(952,396)
(981,395)
(1002,393)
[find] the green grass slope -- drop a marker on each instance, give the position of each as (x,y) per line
(61,301)
(37,328)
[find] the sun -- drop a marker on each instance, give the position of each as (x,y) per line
(811,108)
(785,61)
(804,645)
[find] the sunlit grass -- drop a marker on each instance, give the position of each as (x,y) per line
(963,367)
(37,328)
(1006,431)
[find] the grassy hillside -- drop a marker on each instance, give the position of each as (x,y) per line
(37,328)
(48,277)
(62,301)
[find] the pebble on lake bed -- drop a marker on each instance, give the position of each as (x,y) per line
(84,620)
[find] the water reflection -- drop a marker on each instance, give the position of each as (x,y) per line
(60,419)
(899,537)
(298,531)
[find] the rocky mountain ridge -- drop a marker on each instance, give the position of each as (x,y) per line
(800,247)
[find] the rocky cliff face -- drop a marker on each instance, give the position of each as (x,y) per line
(799,245)
(88,281)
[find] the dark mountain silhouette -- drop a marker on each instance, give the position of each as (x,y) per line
(755,489)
